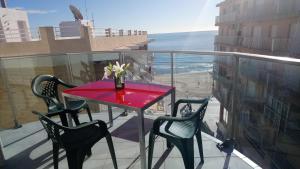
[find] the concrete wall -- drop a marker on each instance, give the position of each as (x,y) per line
(111,43)
(29,47)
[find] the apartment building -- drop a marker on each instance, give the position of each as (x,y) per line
(267,111)
(259,26)
(14,25)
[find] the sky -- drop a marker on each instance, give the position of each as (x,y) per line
(154,16)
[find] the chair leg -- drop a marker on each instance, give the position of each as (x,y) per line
(55,155)
(169,144)
(186,148)
(63,119)
(151,147)
(89,112)
(111,150)
(75,117)
(200,146)
(75,158)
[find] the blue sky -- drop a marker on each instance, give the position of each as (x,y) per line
(155,16)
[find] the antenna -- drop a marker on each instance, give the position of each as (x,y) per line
(93,19)
(86,11)
(76,13)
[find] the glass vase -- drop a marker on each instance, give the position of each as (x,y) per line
(119,82)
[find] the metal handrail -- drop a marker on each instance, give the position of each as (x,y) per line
(276,59)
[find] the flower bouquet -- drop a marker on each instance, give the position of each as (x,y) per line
(117,72)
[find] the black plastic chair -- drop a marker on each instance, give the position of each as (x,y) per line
(46,87)
(77,141)
(180,131)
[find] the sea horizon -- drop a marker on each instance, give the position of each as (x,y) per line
(182,32)
(184,63)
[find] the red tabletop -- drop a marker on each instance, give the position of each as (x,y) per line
(134,95)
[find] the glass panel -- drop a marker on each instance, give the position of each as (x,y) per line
(266,123)
(193,75)
(148,67)
(259,108)
(18,73)
(141,66)
(219,112)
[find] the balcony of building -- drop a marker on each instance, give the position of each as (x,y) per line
(226,18)
(227,39)
(195,75)
(260,11)
(259,43)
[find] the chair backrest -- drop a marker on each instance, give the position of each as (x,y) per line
(202,109)
(46,87)
(53,129)
(198,116)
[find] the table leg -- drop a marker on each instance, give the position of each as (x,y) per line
(142,139)
(69,117)
(110,116)
(169,145)
(173,96)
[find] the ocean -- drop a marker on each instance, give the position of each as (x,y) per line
(183,63)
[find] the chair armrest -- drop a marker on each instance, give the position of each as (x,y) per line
(66,84)
(49,120)
(157,122)
(89,124)
(198,101)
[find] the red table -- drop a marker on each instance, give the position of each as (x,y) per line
(135,96)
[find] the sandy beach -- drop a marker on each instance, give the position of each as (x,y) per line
(189,85)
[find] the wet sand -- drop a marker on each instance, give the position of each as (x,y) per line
(189,85)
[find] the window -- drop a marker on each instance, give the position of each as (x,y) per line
(23,30)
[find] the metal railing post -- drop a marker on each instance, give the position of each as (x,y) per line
(173,96)
(234,96)
(9,95)
(121,57)
(172,69)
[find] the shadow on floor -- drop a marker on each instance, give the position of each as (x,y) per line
(162,159)
(129,130)
(22,160)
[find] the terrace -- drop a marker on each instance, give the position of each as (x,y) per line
(255,101)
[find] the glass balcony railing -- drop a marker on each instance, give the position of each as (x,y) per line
(256,98)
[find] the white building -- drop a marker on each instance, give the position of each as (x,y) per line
(14,25)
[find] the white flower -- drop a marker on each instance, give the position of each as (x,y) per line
(107,72)
(116,69)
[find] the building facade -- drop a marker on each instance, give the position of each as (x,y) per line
(266,115)
(259,26)
(14,25)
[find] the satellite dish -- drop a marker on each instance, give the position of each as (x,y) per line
(76,13)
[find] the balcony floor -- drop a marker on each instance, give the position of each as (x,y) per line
(27,147)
